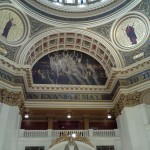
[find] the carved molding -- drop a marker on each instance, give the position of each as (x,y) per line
(123,73)
(12,99)
(126,100)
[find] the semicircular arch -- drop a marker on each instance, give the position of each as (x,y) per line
(82,40)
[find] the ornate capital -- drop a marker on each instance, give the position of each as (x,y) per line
(12,99)
(126,100)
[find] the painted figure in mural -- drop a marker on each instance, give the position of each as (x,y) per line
(131,34)
(69,67)
(8,26)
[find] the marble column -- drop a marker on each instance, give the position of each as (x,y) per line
(131,124)
(10,121)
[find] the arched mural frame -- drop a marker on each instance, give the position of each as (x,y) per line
(23,52)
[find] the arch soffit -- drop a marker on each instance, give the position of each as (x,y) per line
(90,43)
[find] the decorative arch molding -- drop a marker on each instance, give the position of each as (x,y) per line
(58,17)
(82,40)
(66,141)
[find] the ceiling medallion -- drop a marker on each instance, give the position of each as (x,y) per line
(14,27)
(130,32)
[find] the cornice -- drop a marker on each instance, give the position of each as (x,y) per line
(68,104)
(118,73)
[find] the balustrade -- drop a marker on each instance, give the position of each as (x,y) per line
(58,133)
(35,133)
(103,133)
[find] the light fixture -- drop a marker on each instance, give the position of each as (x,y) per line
(109,116)
(68,115)
(73,135)
(26,115)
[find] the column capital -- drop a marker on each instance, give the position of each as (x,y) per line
(12,99)
(126,100)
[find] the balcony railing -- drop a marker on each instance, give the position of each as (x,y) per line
(58,133)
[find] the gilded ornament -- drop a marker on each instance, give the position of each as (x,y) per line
(126,100)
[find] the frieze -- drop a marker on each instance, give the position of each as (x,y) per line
(6,76)
(139,77)
(62,96)
(10,78)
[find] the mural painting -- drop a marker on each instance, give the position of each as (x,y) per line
(68,67)
(11,26)
(130,32)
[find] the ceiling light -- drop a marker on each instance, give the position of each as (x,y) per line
(68,115)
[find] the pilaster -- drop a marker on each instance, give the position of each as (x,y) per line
(132,129)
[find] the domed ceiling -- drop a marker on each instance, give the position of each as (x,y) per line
(100,12)
(66,52)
